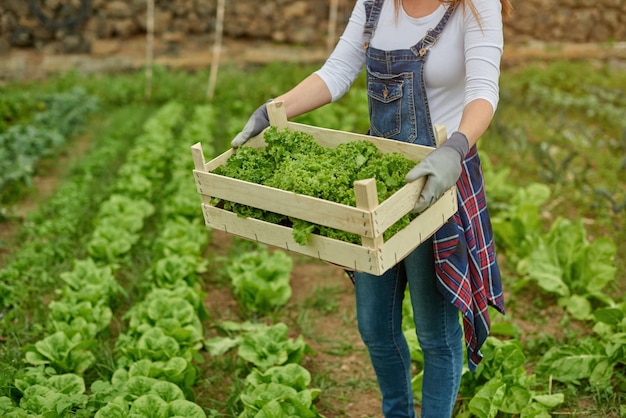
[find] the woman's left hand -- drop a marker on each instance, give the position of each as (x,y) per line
(442,168)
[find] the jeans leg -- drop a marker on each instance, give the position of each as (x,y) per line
(439,333)
(379,316)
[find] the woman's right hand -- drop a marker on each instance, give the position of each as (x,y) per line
(258,121)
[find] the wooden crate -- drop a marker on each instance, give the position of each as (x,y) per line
(369,219)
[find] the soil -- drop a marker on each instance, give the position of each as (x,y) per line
(199,53)
(339,356)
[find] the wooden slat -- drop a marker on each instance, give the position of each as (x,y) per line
(198,156)
(367,198)
(441,135)
(200,166)
(219,160)
(419,230)
(397,205)
(339,253)
(331,138)
(277,114)
(312,209)
(342,254)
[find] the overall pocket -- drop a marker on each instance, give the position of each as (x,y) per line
(390,104)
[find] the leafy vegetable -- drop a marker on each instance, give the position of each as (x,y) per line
(571,364)
(260,280)
(279,391)
(272,347)
(47,394)
(293,161)
(518,224)
(172,269)
(291,374)
(276,400)
(61,352)
(153,404)
(565,263)
(501,384)
(260,345)
(23,146)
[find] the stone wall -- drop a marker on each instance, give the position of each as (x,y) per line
(73,26)
(573,21)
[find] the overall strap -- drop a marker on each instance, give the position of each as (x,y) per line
(372,11)
(432,35)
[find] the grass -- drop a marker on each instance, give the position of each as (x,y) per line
(323,300)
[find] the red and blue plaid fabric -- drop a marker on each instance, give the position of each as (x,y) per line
(465,259)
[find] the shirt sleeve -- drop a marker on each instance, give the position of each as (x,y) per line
(348,58)
(483,51)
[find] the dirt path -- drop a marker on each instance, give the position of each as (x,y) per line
(116,55)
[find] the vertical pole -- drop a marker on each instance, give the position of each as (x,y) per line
(217,47)
(149,47)
(332,25)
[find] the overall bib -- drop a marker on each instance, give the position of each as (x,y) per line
(455,270)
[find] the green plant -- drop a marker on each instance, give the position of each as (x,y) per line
(62,353)
(564,262)
(131,396)
(272,347)
(293,161)
(260,280)
(51,396)
(259,345)
(501,384)
(23,146)
(279,391)
(517,223)
(573,106)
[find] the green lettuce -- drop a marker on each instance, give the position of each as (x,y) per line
(261,280)
(294,161)
(565,263)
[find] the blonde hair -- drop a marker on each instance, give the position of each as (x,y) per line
(507,8)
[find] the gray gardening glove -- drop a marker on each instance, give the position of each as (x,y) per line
(258,121)
(442,168)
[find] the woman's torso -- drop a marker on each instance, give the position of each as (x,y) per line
(461,65)
(398,102)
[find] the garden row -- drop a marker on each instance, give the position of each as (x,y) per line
(54,384)
(22,145)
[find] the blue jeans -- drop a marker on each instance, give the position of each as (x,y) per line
(379,315)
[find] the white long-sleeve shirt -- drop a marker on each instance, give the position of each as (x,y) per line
(463,65)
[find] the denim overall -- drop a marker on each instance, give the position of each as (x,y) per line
(399,110)
(397,99)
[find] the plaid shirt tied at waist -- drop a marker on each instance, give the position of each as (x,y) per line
(465,259)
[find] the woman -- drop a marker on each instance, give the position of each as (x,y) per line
(427,62)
